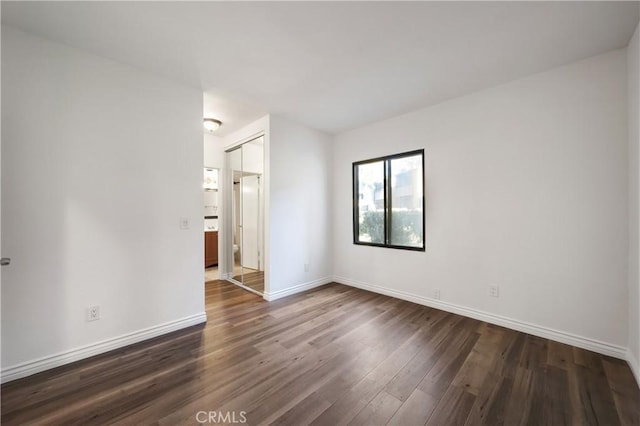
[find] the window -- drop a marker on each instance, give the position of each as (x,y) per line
(388,201)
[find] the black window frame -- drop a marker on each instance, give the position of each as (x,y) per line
(387,200)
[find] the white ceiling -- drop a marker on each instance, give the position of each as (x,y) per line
(333,66)
(233,113)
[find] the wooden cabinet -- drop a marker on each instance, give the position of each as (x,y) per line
(210,248)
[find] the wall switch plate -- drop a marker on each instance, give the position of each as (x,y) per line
(306,267)
(184,223)
(494,291)
(436,293)
(93,313)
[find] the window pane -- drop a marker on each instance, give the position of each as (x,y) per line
(406,202)
(371,202)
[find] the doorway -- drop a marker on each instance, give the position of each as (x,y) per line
(211,208)
(246,247)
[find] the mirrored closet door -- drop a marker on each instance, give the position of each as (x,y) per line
(245,248)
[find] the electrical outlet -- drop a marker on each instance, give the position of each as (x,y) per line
(494,291)
(184,223)
(93,313)
(306,267)
(436,293)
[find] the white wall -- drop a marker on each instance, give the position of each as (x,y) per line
(0,192)
(213,151)
(100,161)
(633,76)
(526,188)
(301,204)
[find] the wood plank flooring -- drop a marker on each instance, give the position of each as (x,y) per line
(332,356)
(253,280)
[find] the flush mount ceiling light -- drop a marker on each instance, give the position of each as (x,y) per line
(211,124)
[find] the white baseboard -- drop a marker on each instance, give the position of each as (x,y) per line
(525,327)
(45,363)
(634,365)
(297,288)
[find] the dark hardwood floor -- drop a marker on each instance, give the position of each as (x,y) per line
(334,355)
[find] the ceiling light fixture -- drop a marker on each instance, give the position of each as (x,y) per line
(211,124)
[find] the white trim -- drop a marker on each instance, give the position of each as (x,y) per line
(45,363)
(525,327)
(634,365)
(232,146)
(297,289)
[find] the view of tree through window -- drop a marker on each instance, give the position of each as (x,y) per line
(371,204)
(389,201)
